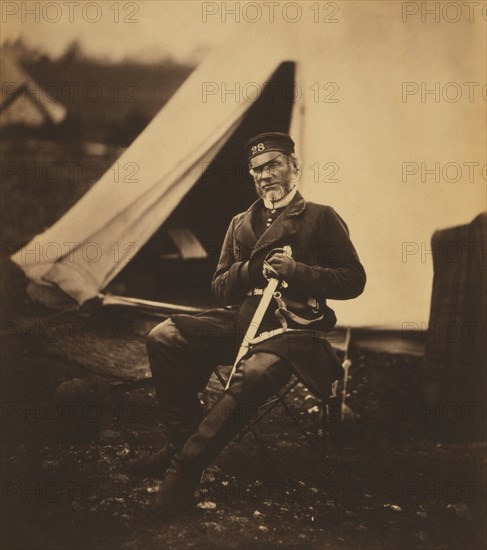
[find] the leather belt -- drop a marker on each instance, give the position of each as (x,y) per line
(268,334)
(312,302)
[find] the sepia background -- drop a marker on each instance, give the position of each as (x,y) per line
(389,118)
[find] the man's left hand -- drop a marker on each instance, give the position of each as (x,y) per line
(283,265)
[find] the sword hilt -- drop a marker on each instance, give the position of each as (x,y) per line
(272,273)
(288,251)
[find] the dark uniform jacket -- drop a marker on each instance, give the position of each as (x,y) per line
(327,267)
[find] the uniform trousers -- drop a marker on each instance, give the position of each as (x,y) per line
(181,367)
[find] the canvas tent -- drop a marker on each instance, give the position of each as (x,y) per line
(362,142)
(23,101)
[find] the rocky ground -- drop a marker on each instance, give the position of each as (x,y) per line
(393,477)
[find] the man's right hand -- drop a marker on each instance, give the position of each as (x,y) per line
(280,265)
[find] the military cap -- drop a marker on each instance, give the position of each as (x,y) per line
(265,147)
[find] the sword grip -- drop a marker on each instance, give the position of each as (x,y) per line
(288,251)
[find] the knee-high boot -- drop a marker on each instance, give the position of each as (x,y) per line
(258,378)
(217,429)
(180,424)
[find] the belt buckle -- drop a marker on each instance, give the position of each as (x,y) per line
(255,292)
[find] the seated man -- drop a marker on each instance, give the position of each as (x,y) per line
(184,350)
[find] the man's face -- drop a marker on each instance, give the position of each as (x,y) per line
(274,179)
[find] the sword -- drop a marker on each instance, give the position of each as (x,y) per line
(267,295)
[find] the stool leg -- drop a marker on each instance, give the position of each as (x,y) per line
(324,428)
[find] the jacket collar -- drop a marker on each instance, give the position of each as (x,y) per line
(281,228)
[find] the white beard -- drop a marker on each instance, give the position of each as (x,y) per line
(275,194)
(284,201)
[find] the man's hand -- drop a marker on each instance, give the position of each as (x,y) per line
(282,264)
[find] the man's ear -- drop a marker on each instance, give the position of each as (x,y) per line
(296,173)
(296,167)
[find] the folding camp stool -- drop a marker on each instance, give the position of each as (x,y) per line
(330,413)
